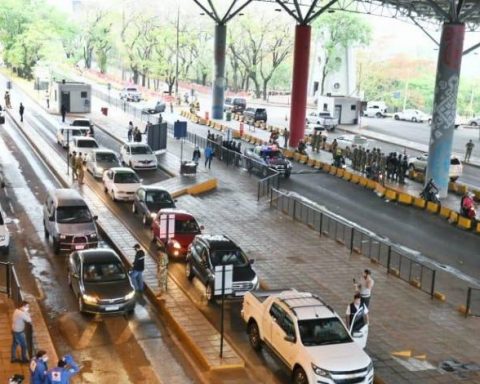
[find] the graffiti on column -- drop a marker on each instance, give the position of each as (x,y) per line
(445,105)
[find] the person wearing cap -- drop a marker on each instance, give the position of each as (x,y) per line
(62,373)
(39,368)
(138,268)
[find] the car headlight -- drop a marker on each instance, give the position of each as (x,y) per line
(370,367)
(63,237)
(100,169)
(93,235)
(255,281)
(130,295)
(319,371)
(176,244)
(89,299)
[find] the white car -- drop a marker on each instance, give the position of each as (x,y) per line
(4,235)
(130,94)
(312,127)
(121,183)
(138,156)
(375,109)
(101,160)
(351,141)
(308,337)
(419,164)
(475,122)
(66,133)
(322,118)
(85,145)
(413,115)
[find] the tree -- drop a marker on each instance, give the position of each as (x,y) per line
(338,31)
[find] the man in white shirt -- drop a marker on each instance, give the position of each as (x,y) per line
(365,287)
(19,319)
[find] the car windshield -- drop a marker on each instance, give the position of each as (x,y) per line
(78,132)
(241,102)
(186,226)
(103,272)
(158,197)
(106,157)
(226,257)
(126,178)
(141,150)
(81,123)
(87,144)
(323,332)
(73,215)
(271,154)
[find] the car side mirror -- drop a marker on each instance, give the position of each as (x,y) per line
(202,228)
(141,180)
(289,338)
(252,261)
(95,217)
(175,200)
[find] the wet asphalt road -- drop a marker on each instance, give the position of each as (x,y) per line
(110,349)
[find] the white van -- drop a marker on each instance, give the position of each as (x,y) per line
(375,109)
(68,132)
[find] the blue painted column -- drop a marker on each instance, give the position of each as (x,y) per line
(219,71)
(445,105)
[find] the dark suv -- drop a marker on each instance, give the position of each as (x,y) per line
(235,104)
(207,252)
(255,114)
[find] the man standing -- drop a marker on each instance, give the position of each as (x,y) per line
(138,268)
(73,164)
(64,370)
(21,109)
(7,100)
(469,150)
(79,168)
(63,111)
(20,318)
(38,368)
(47,98)
(364,288)
(285,135)
(361,318)
(208,156)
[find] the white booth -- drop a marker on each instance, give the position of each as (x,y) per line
(76,97)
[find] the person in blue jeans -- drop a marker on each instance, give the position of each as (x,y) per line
(19,319)
(64,370)
(138,268)
(208,156)
(39,368)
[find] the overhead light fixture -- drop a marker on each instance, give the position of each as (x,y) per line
(240,14)
(202,14)
(331,11)
(278,9)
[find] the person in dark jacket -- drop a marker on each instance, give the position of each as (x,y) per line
(63,111)
(65,369)
(138,268)
(196,155)
(39,368)
(21,110)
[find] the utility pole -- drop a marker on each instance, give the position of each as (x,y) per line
(176,59)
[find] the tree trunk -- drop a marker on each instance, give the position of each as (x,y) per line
(265,87)
(324,76)
(135,76)
(204,78)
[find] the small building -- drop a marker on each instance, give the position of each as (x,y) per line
(345,108)
(75,96)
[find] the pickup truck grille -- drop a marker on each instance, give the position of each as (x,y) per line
(350,381)
(242,286)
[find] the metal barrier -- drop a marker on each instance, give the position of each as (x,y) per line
(10,285)
(397,261)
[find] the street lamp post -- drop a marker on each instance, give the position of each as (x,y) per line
(176,55)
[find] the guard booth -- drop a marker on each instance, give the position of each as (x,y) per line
(157,137)
(75,96)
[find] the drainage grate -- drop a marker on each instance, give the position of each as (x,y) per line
(463,370)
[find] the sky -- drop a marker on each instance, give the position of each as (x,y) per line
(390,37)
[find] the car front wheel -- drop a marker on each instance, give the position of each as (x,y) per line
(80,304)
(189,271)
(209,294)
(396,117)
(299,376)
(254,336)
(134,208)
(474,124)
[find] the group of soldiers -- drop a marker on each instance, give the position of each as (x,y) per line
(318,141)
(375,163)
(76,163)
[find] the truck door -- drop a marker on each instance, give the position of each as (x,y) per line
(274,316)
(284,339)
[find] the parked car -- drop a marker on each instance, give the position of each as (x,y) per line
(324,119)
(174,230)
(235,104)
(86,145)
(311,128)
(375,109)
(121,183)
(100,281)
(148,200)
(4,235)
(458,121)
(130,94)
(153,108)
(263,157)
(81,123)
(419,164)
(66,133)
(101,160)
(138,156)
(210,251)
(351,141)
(68,220)
(253,115)
(413,115)
(308,337)
(474,122)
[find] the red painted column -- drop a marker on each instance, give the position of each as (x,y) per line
(301,58)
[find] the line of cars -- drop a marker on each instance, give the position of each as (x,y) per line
(239,105)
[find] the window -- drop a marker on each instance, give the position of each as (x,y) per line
(73,215)
(83,94)
(103,272)
(287,326)
(353,107)
(276,312)
(226,257)
(323,332)
(198,248)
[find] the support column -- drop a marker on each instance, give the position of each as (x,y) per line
(301,58)
(445,105)
(219,71)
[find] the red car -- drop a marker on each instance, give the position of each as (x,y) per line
(174,230)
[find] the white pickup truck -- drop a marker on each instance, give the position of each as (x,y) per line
(322,119)
(308,336)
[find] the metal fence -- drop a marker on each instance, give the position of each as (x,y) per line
(10,285)
(398,262)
